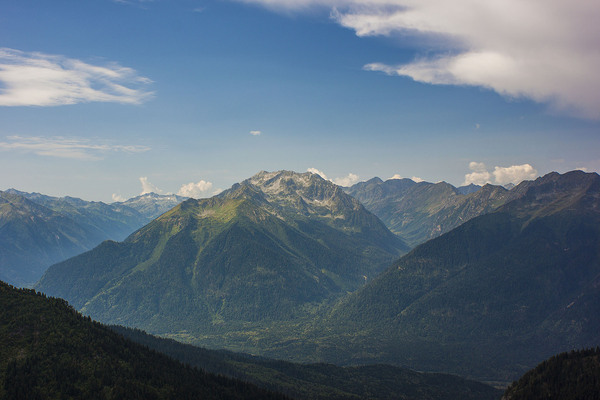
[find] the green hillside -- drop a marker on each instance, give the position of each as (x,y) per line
(272,248)
(49,351)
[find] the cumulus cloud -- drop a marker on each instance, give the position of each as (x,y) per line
(480,175)
(514,174)
(195,190)
(346,181)
(414,178)
(544,50)
(148,187)
(255,133)
(37,79)
(62,147)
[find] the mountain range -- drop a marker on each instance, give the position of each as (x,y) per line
(274,247)
(289,266)
(489,299)
(419,211)
(37,231)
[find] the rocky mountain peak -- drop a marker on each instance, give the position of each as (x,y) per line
(293,192)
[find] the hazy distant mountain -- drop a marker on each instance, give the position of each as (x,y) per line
(491,298)
(270,248)
(468,189)
(421,211)
(48,351)
(32,237)
(152,205)
(37,231)
(101,221)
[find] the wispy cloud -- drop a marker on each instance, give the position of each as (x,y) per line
(317,172)
(117,197)
(62,147)
(255,133)
(148,187)
(514,174)
(544,50)
(37,79)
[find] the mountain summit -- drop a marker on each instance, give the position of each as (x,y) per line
(269,248)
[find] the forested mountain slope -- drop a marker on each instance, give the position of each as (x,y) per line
(573,375)
(320,381)
(489,299)
(47,351)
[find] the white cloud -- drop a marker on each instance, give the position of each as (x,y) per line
(37,79)
(148,187)
(62,147)
(196,190)
(479,176)
(396,176)
(117,197)
(346,181)
(584,169)
(514,174)
(316,171)
(544,50)
(255,133)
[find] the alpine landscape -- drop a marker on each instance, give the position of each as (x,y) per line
(411,206)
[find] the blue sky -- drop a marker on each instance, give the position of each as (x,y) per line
(193,96)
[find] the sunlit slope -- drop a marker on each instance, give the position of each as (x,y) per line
(254,253)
